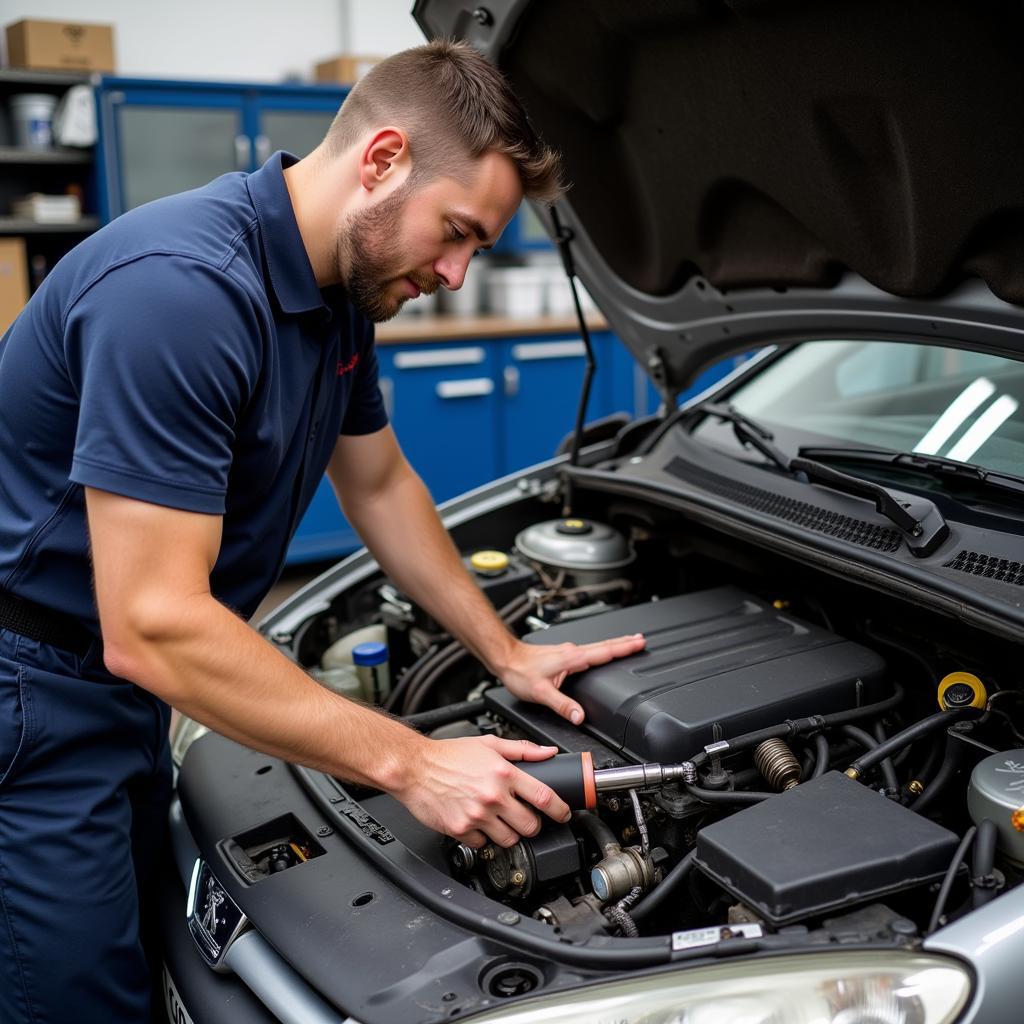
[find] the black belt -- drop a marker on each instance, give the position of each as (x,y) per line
(42,624)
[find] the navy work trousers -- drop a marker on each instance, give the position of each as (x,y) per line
(85,782)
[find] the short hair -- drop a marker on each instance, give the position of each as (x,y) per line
(454,106)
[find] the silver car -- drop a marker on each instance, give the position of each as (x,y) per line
(803,803)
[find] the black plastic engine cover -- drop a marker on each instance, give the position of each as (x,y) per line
(720,656)
(825,844)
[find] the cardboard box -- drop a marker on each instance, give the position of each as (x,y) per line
(345,69)
(60,45)
(13,280)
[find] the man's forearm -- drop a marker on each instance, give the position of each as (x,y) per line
(213,667)
(401,527)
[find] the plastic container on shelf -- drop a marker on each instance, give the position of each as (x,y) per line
(32,119)
(517,292)
(559,295)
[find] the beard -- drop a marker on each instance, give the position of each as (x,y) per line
(369,247)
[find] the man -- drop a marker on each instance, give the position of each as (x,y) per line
(168,401)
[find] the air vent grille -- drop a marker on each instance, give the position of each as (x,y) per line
(812,517)
(989,567)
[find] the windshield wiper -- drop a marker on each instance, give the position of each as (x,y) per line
(934,466)
(918,519)
(748,432)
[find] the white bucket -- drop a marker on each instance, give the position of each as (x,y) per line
(516,292)
(32,119)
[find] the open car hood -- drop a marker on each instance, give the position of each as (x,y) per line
(746,171)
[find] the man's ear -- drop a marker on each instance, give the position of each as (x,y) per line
(384,158)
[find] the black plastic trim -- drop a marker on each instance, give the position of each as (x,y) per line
(931,591)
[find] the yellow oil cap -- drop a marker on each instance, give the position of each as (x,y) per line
(961,690)
(489,563)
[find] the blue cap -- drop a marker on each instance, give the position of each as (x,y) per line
(372,653)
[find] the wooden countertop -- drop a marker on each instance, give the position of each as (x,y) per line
(411,329)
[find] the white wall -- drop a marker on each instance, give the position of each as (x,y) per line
(235,40)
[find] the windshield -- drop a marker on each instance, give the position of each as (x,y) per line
(894,395)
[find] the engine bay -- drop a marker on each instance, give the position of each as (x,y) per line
(830,748)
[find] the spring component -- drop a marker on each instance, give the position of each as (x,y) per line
(777,763)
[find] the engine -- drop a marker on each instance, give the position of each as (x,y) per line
(797,776)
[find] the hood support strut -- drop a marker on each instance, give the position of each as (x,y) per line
(563,236)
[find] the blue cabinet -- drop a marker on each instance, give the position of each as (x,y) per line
(157,138)
(445,408)
(541,384)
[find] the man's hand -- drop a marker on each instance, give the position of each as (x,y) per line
(536,671)
(469,789)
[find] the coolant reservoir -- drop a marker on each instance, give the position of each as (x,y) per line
(340,652)
(343,680)
(997,792)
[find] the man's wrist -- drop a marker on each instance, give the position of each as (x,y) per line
(394,771)
(500,654)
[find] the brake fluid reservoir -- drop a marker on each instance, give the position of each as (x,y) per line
(340,652)
(997,792)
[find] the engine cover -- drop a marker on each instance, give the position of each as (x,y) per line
(717,656)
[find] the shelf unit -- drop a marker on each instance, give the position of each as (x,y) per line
(24,170)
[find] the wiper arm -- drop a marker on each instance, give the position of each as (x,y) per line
(935,466)
(748,431)
(919,520)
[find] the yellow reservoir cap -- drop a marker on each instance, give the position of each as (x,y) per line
(489,562)
(961,690)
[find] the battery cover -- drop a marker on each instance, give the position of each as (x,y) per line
(825,844)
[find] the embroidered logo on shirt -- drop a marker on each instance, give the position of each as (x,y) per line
(348,367)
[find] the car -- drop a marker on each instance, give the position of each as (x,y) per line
(803,800)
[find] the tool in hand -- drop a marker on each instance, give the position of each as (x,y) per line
(575,779)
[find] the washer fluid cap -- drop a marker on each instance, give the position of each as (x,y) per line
(961,690)
(996,791)
(370,654)
(595,546)
(489,563)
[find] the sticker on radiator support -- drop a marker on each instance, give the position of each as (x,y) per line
(176,1012)
(366,823)
(708,936)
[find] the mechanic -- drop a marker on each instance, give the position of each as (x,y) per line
(169,399)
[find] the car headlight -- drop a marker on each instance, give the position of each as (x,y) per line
(184,733)
(830,988)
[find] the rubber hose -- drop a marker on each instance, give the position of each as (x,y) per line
(949,767)
(865,739)
(665,888)
(597,829)
(939,720)
(728,796)
(821,749)
(947,882)
(435,717)
(801,725)
(984,862)
(409,676)
(510,614)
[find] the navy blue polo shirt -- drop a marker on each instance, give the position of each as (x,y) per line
(184,356)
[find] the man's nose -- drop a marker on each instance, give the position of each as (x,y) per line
(452,270)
